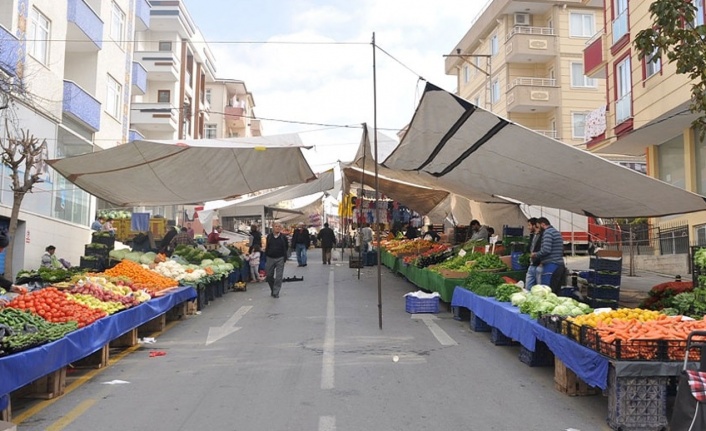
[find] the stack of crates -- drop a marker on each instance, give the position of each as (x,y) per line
(604,279)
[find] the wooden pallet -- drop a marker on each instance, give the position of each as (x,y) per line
(567,382)
(155,325)
(128,339)
(97,359)
(177,312)
(46,387)
(6,415)
(191,308)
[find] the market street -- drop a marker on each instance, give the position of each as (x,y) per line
(315,359)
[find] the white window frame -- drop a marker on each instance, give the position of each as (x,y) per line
(208,95)
(466,73)
(494,45)
(495,91)
(38,36)
(653,64)
(210,131)
(574,117)
(699,13)
(476,101)
(587,27)
(580,81)
(113,97)
(623,82)
(620,23)
(117,24)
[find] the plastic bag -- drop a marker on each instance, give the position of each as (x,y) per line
(223,250)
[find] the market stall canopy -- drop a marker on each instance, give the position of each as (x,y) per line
(468,150)
(323,183)
(187,171)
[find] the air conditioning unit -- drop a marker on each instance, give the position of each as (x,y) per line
(522,19)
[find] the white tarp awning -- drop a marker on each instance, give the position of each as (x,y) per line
(324,183)
(467,150)
(188,171)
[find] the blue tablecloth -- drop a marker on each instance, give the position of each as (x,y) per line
(588,364)
(22,368)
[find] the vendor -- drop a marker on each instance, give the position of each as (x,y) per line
(6,284)
(215,236)
(480,233)
(108,226)
(411,232)
(97,225)
(49,259)
(431,235)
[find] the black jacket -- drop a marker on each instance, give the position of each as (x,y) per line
(301,236)
(276,247)
(256,239)
(327,237)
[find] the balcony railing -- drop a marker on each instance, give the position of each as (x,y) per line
(534,82)
(81,106)
(134,135)
(9,53)
(548,133)
(142,13)
(87,21)
(623,108)
(620,26)
(521,29)
(139,78)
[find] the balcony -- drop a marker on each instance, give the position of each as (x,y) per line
(160,65)
(139,79)
(525,44)
(81,106)
(158,117)
(548,133)
(532,95)
(234,117)
(10,52)
(134,135)
(85,29)
(594,58)
(142,13)
(255,127)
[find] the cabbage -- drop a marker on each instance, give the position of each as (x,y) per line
(118,254)
(133,256)
(540,290)
(518,298)
(206,262)
(148,258)
(218,260)
(561,310)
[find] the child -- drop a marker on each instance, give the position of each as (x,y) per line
(254,261)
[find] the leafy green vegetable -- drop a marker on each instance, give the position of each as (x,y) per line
(489,261)
(505,291)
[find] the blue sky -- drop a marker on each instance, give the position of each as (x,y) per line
(332,84)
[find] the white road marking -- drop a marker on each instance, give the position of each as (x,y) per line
(327,423)
(439,333)
(216,333)
(327,369)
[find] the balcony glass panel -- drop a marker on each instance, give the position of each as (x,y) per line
(81,105)
(620,26)
(623,108)
(10,52)
(139,76)
(80,14)
(142,12)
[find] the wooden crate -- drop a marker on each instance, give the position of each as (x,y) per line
(155,325)
(6,415)
(177,312)
(97,359)
(191,308)
(50,386)
(566,381)
(128,339)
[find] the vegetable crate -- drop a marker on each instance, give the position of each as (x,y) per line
(95,251)
(515,261)
(371,258)
(416,305)
(477,324)
(604,291)
(541,357)
(602,303)
(567,382)
(597,278)
(598,264)
(552,322)
(498,338)
(94,264)
(354,261)
(461,313)
(107,240)
(637,403)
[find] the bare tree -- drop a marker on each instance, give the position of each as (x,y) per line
(26,158)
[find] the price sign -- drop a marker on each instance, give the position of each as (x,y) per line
(462,253)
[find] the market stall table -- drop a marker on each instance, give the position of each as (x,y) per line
(22,368)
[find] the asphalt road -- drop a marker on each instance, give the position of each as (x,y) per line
(316,359)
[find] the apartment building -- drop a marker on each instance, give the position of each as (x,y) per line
(523,60)
(646,107)
(73,59)
(232,114)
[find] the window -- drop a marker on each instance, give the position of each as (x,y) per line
(476,101)
(466,74)
(623,88)
(117,24)
(210,131)
(495,92)
(700,157)
(670,162)
(581,25)
(653,64)
(38,36)
(113,97)
(494,46)
(208,95)
(699,13)
(620,23)
(700,234)
(165,46)
(163,96)
(578,125)
(578,79)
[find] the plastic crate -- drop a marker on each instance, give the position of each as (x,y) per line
(498,338)
(568,291)
(606,264)
(602,303)
(354,261)
(541,357)
(416,305)
(107,240)
(370,258)
(551,322)
(94,251)
(94,264)
(515,261)
(477,324)
(513,231)
(461,313)
(637,403)
(605,291)
(599,279)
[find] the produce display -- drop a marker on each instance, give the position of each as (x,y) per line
(540,301)
(141,277)
(55,306)
(483,283)
(20,330)
(436,254)
(505,291)
(488,262)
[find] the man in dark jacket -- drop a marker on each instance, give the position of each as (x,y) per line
(328,240)
(534,272)
(256,238)
(301,242)
(276,253)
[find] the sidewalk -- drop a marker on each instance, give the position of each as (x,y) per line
(633,289)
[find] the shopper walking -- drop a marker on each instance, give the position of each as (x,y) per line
(301,242)
(275,253)
(328,239)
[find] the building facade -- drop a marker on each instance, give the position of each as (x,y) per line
(524,61)
(646,107)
